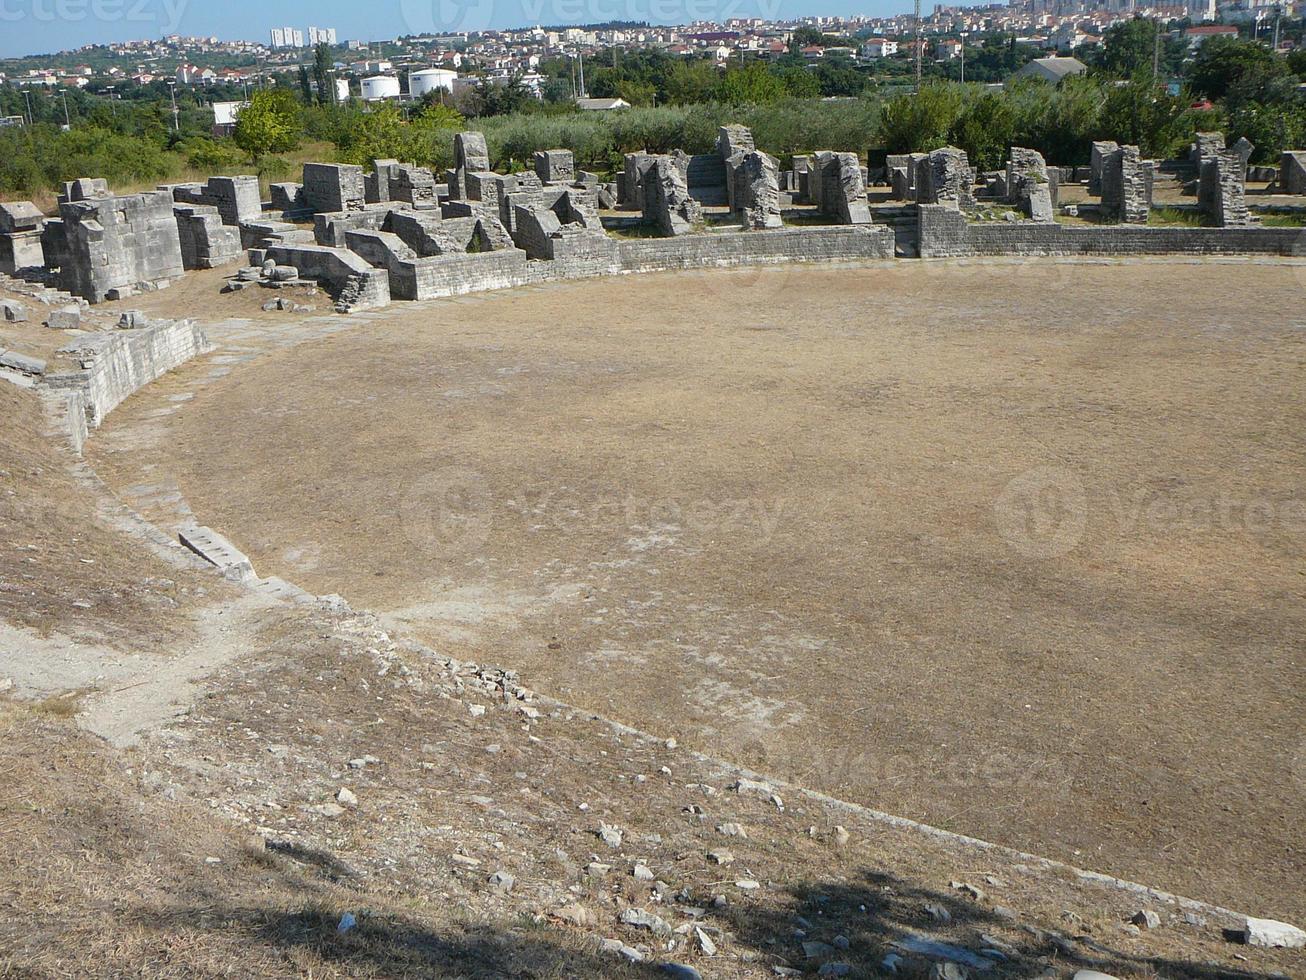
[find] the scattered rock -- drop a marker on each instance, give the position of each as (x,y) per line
(1092,975)
(1268,932)
(327,809)
(643,919)
(817,951)
(890,963)
(347,922)
(1146,919)
(577,915)
(968,889)
(642,873)
(937,912)
(465,861)
(618,948)
(721,856)
(501,881)
(751,787)
(681,970)
(346,797)
(609,835)
(949,971)
(747,885)
(476,710)
(732,830)
(705,942)
(65,318)
(841,836)
(596,869)
(12,311)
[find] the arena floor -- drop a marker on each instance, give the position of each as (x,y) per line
(1011,548)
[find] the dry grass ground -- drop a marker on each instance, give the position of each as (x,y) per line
(1013,549)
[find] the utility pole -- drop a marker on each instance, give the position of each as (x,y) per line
(918,45)
(67,121)
(1156,50)
(172,93)
(581,56)
(963,57)
(27,97)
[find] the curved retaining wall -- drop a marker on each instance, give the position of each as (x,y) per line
(112,367)
(945,233)
(823,243)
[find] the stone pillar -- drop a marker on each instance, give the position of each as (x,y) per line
(1221,190)
(1028,184)
(1125,197)
(20,236)
(944,177)
(330,188)
(470,155)
(757,191)
(666,198)
(1100,151)
(1292,172)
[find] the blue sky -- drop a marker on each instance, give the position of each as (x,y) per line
(43,26)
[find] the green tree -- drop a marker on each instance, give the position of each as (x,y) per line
(690,82)
(1128,48)
(269,124)
(305,87)
(1222,62)
(986,130)
(921,121)
(750,84)
(322,65)
(799,83)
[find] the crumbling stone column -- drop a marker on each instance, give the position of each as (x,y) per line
(944,177)
(1221,190)
(1028,184)
(1125,187)
(666,198)
(1097,156)
(732,142)
(757,191)
(471,155)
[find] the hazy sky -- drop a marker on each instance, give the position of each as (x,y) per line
(44,26)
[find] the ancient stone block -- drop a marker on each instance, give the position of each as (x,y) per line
(667,201)
(1100,151)
(630,191)
(757,191)
(470,151)
(288,198)
(1028,184)
(555,166)
(16,216)
(944,177)
(333,187)
(112,245)
(236,198)
(207,242)
(12,311)
(1244,148)
(1125,188)
(1205,146)
(84,189)
(1221,192)
(1292,172)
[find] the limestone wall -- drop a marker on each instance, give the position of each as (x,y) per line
(820,244)
(945,233)
(114,365)
(352,282)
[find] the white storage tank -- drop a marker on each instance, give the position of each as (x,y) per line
(430,79)
(380,87)
(342,90)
